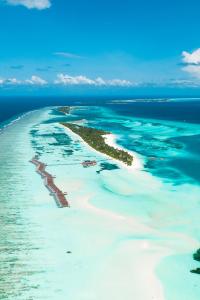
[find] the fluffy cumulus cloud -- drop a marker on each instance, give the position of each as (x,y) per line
(191,58)
(30,4)
(192,63)
(34,80)
(65,79)
(118,82)
(192,70)
(10,81)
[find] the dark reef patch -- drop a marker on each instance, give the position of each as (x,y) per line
(107,167)
(67,152)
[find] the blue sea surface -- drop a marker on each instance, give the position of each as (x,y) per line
(166,133)
(180,109)
(164,195)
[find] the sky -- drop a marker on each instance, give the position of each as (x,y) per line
(110,46)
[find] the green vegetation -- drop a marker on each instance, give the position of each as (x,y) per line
(95,138)
(196,256)
(64,109)
(196,271)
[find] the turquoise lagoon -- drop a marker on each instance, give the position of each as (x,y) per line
(131,234)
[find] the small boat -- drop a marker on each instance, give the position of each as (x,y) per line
(89,163)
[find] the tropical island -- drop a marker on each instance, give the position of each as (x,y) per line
(96,139)
(196,256)
(64,109)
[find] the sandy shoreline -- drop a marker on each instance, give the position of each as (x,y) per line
(110,139)
(139,257)
(116,242)
(137,164)
(148,255)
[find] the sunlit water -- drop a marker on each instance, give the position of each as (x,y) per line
(36,237)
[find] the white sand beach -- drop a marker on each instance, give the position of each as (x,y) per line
(108,244)
(138,258)
(137,164)
(110,139)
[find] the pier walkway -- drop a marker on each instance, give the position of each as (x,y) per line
(58,195)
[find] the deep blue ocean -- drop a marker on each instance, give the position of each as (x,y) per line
(184,110)
(176,128)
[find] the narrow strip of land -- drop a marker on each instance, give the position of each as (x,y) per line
(58,195)
(96,139)
(64,110)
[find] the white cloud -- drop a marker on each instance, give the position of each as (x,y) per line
(119,82)
(66,80)
(30,4)
(67,55)
(11,81)
(192,63)
(35,80)
(191,58)
(83,80)
(193,70)
(73,80)
(100,81)
(182,83)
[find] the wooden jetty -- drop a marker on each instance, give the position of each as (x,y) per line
(89,163)
(58,195)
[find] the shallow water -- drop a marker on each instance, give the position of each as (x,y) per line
(144,222)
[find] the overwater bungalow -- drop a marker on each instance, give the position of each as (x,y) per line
(89,163)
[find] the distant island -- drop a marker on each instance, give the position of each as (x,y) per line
(196,256)
(64,109)
(95,138)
